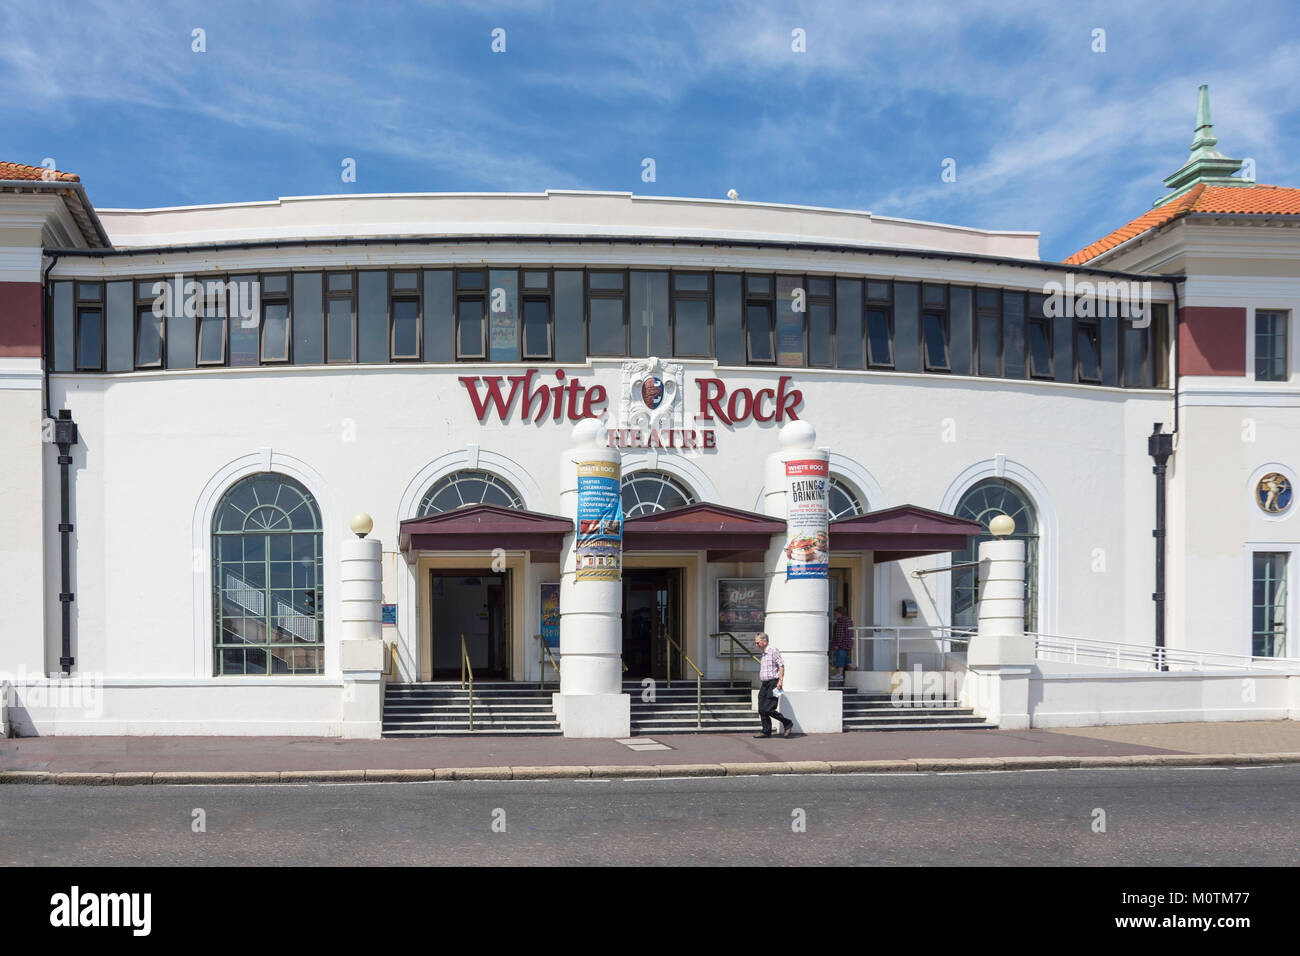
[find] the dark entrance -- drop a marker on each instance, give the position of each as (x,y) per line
(475,604)
(651,612)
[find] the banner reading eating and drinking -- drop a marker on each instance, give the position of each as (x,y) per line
(599,543)
(807,549)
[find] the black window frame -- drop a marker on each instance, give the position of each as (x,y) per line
(222,304)
(622,295)
(285,299)
(1283,319)
(691,295)
(980,313)
(1035,316)
(334,295)
(82,304)
(940,312)
(416,296)
(1082,325)
(767,299)
(482,299)
(827,299)
(144,304)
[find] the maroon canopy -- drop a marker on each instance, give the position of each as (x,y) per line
(902,532)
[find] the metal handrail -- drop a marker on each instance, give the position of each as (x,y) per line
(1159,658)
(541,660)
(731,658)
(464,664)
(699,676)
(933,632)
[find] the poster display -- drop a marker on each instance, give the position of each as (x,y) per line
(740,606)
(503,313)
(551,614)
(807,548)
(789,323)
(599,542)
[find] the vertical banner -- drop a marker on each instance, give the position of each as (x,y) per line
(600,522)
(789,323)
(807,548)
(503,315)
(551,614)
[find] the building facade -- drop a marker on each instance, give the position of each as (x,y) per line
(243,379)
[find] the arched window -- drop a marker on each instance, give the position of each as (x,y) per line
(842,501)
(462,488)
(266,547)
(982,503)
(646,492)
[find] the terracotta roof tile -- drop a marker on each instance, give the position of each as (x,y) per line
(35,173)
(1224,200)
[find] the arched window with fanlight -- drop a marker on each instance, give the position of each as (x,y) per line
(842,501)
(267,589)
(468,487)
(982,503)
(647,492)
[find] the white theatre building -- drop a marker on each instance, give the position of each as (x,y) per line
(195,403)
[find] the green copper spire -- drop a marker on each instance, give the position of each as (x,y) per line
(1206,164)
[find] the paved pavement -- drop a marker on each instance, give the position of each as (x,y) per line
(1186,817)
(232,754)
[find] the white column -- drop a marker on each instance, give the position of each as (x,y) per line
(361,651)
(591,702)
(1001,655)
(795,618)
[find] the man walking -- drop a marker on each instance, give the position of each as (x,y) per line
(771,675)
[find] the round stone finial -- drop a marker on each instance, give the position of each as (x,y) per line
(1002,526)
(589,431)
(797,434)
(361,524)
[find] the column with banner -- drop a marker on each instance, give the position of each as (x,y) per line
(798,569)
(591,702)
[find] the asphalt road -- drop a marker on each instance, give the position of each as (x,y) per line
(1152,817)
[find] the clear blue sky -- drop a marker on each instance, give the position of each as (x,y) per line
(1046,134)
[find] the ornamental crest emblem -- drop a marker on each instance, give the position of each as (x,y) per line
(652,395)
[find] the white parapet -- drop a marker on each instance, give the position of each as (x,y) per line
(361,651)
(795,607)
(591,702)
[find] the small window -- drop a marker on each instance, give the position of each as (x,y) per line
(879,339)
(537,328)
(1088,349)
(1271,346)
(935,329)
(605,281)
(275,332)
(691,281)
(406,329)
(469,328)
(758,324)
(758,285)
(148,339)
(537,281)
(406,281)
(274,286)
(878,291)
(933,295)
(474,280)
(1040,348)
(819,287)
(90,338)
(88,292)
(340,281)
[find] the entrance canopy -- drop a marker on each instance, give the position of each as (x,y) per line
(728,534)
(903,532)
(483,528)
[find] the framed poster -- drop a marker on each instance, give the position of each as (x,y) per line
(740,606)
(550,594)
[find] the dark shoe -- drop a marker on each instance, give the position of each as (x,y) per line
(761,736)
(788,728)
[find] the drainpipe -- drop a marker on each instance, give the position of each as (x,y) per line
(1160,446)
(65,436)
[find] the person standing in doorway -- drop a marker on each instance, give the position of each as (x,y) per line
(842,640)
(771,676)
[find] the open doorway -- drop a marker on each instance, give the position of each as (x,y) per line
(475,605)
(652,612)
